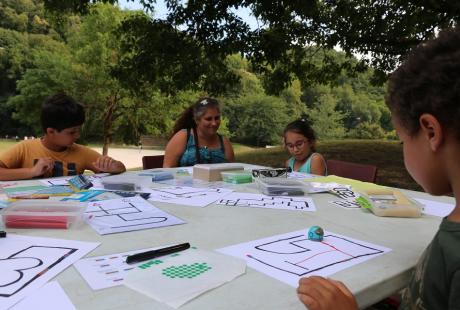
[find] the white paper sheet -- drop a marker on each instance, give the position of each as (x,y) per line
(48,297)
(189,181)
(126,214)
(109,270)
(268,202)
(189,196)
(435,208)
(27,263)
(346,204)
(59,181)
(177,280)
(288,257)
(8,184)
(3,201)
(56,181)
(300,176)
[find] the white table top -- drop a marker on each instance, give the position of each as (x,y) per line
(215,226)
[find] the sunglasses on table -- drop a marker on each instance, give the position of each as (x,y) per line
(270,173)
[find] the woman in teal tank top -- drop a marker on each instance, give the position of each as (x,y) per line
(300,140)
(207,156)
(195,138)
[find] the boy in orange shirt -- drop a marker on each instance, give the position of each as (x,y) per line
(56,153)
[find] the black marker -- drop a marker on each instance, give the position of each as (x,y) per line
(2,234)
(155,253)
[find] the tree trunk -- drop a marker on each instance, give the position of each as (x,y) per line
(109,116)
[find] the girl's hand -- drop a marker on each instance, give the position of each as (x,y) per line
(318,293)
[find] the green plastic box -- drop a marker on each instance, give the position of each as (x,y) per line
(237,177)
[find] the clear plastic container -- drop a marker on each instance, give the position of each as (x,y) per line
(389,202)
(157,175)
(128,182)
(120,186)
(43,214)
(237,177)
(282,187)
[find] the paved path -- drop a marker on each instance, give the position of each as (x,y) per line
(132,158)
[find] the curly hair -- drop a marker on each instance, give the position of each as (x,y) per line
(301,126)
(428,82)
(198,109)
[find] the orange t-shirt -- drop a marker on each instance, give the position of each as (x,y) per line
(74,160)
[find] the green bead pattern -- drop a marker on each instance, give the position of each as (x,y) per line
(186,271)
(150,263)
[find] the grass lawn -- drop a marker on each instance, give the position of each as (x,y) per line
(4,144)
(386,155)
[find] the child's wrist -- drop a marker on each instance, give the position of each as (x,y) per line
(32,173)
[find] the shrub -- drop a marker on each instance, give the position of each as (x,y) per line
(367,130)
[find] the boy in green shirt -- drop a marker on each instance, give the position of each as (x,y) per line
(424,98)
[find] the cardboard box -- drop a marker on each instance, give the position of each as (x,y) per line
(211,172)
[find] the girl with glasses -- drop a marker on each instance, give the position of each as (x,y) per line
(300,140)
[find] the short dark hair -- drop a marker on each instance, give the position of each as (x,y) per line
(61,111)
(428,82)
(301,126)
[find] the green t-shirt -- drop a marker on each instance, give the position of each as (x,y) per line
(435,283)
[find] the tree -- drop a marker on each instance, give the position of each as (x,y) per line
(385,30)
(23,30)
(157,54)
(52,73)
(82,68)
(257,119)
(367,130)
(327,122)
(95,49)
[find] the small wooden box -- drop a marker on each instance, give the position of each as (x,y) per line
(211,172)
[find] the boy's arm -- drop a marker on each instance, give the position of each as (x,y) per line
(42,166)
(108,164)
(318,293)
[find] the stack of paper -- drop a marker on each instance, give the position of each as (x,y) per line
(177,280)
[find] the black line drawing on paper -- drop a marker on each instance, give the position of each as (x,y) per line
(126,215)
(346,204)
(263,201)
(299,256)
(179,192)
(23,267)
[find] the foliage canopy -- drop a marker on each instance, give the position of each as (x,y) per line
(381,30)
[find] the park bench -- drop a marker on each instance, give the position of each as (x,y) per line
(147,141)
